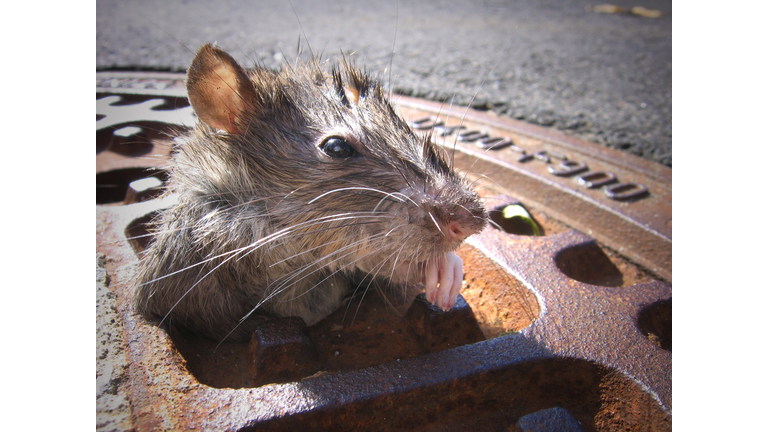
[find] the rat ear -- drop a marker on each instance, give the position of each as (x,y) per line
(352,94)
(219,89)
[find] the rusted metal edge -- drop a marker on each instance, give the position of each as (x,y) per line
(142,83)
(630,238)
(530,167)
(586,312)
(607,154)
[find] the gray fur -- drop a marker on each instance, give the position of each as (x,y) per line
(266,224)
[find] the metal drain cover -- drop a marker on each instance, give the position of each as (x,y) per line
(571,328)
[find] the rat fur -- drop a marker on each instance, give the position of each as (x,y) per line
(296,188)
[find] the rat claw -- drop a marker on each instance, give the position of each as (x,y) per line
(458,278)
(442,280)
(452,274)
(430,281)
(446,282)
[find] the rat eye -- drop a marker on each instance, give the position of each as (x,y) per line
(336,147)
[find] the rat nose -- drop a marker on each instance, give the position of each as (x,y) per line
(455,231)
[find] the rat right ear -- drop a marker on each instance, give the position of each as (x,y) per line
(219,89)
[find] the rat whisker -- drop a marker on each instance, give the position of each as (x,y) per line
(319,260)
(249,248)
(371,279)
(435,222)
(270,220)
(294,298)
(353,188)
(283,285)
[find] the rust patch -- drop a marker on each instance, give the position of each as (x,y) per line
(501,302)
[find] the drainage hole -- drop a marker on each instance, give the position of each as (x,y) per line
(514,218)
(655,322)
(111,186)
(138,233)
(589,264)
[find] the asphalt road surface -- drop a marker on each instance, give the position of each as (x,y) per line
(603,77)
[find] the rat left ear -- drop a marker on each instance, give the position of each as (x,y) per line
(352,94)
(219,89)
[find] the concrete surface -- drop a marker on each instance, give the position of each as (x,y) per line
(604,77)
(113,412)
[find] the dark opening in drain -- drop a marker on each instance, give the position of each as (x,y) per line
(169,102)
(655,322)
(513,218)
(589,264)
(111,186)
(130,141)
(496,400)
(141,138)
(138,233)
(103,138)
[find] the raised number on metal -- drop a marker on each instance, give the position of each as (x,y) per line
(596,179)
(625,191)
(568,168)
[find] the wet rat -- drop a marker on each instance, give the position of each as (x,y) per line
(295,189)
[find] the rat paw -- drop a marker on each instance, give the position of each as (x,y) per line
(442,280)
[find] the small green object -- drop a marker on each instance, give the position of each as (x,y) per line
(521,214)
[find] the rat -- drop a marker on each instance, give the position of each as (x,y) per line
(296,188)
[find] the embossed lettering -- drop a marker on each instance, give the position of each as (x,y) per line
(472,135)
(625,191)
(426,123)
(447,130)
(568,168)
(596,179)
(494,143)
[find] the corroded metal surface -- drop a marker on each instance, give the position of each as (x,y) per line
(281,351)
(438,330)
(622,201)
(578,330)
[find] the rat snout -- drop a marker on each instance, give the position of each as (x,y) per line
(457,225)
(452,217)
(455,231)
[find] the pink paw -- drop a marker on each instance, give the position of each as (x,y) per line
(442,280)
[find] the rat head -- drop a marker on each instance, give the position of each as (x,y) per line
(324,158)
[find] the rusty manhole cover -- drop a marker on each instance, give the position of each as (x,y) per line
(569,330)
